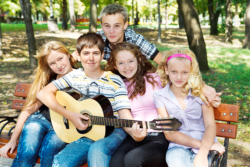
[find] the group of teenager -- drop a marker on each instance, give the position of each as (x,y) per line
(135,89)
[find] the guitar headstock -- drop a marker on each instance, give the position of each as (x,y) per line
(165,124)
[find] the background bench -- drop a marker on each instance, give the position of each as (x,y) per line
(225,115)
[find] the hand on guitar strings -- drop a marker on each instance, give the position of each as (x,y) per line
(75,118)
(138,134)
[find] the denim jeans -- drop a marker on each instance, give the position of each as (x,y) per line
(181,157)
(97,154)
(38,139)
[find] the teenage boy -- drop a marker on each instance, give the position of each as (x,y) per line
(114,24)
(90,82)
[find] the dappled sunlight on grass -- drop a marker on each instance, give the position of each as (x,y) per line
(230,74)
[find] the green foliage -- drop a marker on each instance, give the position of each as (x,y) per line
(222,27)
(12,6)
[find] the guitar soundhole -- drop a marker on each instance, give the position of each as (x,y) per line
(85,113)
(84,131)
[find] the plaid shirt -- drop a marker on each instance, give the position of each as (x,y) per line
(147,49)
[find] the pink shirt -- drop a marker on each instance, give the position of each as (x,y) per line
(142,107)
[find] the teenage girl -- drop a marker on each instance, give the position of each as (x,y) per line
(38,139)
(182,98)
(141,147)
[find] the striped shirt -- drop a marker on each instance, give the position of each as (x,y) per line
(149,50)
(109,85)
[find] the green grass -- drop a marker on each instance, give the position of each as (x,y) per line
(229,74)
(37,27)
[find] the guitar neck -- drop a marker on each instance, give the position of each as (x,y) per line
(95,120)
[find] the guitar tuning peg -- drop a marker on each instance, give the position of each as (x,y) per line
(171,116)
(159,117)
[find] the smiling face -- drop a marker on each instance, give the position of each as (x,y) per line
(178,70)
(126,64)
(113,26)
(91,58)
(59,63)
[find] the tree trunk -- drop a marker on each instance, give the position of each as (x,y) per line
(166,15)
(247,27)
(93,16)
(213,18)
(29,31)
(229,22)
(136,15)
(180,18)
(133,20)
(159,22)
(194,33)
(150,12)
(1,50)
(52,25)
(236,16)
(64,15)
(37,15)
(72,15)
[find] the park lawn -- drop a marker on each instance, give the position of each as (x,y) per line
(37,27)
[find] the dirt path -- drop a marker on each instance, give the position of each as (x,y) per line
(15,68)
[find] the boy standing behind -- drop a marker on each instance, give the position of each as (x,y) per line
(90,82)
(114,24)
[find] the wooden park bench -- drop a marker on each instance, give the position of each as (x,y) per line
(225,115)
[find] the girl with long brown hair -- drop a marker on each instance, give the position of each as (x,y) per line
(141,147)
(38,138)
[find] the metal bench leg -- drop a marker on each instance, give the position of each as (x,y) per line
(224,160)
(8,121)
(11,130)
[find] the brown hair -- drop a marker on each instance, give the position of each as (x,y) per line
(44,75)
(144,67)
(89,40)
(112,9)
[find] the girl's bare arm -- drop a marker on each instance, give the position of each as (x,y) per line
(11,145)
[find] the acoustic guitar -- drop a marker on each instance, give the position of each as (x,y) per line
(101,119)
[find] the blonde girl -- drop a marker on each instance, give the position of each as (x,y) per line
(38,138)
(182,98)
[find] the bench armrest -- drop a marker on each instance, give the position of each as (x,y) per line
(215,158)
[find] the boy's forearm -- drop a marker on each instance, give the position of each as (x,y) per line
(158,58)
(47,97)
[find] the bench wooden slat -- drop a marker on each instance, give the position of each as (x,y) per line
(226,130)
(18,104)
(227,112)
(22,89)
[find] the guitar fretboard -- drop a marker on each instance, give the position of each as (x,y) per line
(95,120)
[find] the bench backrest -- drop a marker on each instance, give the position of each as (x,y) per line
(22,90)
(228,113)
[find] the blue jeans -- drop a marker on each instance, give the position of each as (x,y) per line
(181,157)
(97,154)
(38,139)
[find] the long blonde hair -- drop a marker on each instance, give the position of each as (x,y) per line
(44,75)
(194,83)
